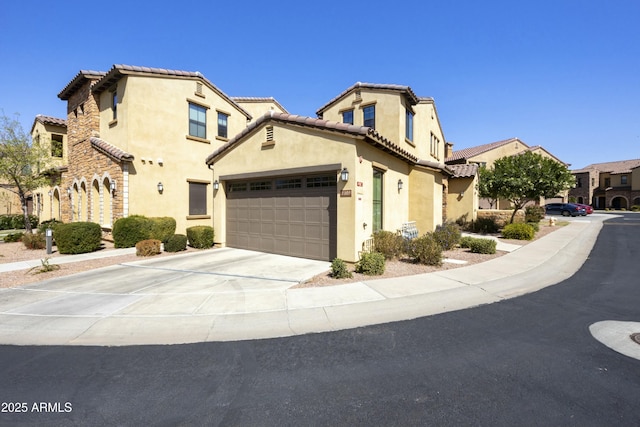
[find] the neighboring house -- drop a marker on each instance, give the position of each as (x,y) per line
(462,195)
(257,106)
(9,200)
(487,154)
(50,132)
(608,185)
(319,187)
(137,137)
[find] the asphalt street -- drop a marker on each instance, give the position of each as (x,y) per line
(526,361)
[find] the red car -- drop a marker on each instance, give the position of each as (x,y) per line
(587,208)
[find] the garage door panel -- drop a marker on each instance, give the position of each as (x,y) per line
(297,222)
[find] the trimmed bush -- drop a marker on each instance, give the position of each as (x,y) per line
(518,231)
(534,214)
(388,244)
(200,236)
(77,237)
(483,246)
(485,226)
(131,230)
(535,226)
(448,235)
(371,264)
(34,241)
(465,241)
(426,250)
(13,237)
(148,247)
(51,223)
(176,243)
(16,221)
(635,208)
(339,269)
(162,228)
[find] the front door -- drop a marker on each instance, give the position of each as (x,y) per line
(377,200)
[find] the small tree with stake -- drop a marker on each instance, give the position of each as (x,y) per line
(21,162)
(524,178)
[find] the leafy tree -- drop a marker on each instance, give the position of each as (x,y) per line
(487,187)
(525,178)
(21,162)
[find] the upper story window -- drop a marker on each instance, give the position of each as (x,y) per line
(435,146)
(347,117)
(369,115)
(624,180)
(607,182)
(114,104)
(222,124)
(197,121)
(56,145)
(579,182)
(408,125)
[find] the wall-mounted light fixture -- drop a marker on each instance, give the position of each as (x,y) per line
(462,194)
(50,193)
(113,185)
(160,187)
(400,184)
(216,185)
(344,175)
(69,191)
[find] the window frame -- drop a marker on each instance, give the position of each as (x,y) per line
(223,129)
(200,125)
(198,198)
(344,116)
(371,121)
(408,125)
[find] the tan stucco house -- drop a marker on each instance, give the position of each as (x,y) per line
(135,141)
(608,185)
(319,187)
(487,154)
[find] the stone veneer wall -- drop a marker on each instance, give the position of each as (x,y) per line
(86,163)
(501,217)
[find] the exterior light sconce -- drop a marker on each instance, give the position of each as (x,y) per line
(160,187)
(400,185)
(462,194)
(50,193)
(344,175)
(69,191)
(216,185)
(113,186)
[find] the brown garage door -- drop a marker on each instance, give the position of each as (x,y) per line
(293,216)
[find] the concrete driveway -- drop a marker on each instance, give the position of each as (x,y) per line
(190,285)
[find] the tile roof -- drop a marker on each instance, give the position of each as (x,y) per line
(118,70)
(369,134)
(374,86)
(257,99)
(464,171)
(621,166)
(78,81)
(114,152)
(466,153)
(48,120)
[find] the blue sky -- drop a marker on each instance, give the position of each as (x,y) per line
(564,74)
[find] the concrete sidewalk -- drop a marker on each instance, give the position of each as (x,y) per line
(161,312)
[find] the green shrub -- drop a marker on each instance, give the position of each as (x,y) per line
(131,230)
(371,264)
(426,250)
(162,228)
(485,226)
(16,221)
(534,214)
(535,226)
(483,246)
(77,237)
(448,235)
(51,223)
(34,241)
(388,244)
(13,237)
(176,243)
(635,208)
(148,247)
(465,241)
(518,231)
(339,269)
(200,236)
